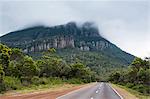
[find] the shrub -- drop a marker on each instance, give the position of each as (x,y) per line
(142,88)
(130,85)
(147,89)
(44,80)
(2,87)
(75,81)
(12,83)
(36,80)
(55,80)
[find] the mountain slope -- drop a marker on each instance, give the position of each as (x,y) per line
(85,39)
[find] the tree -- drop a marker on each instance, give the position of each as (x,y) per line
(5,53)
(62,69)
(143,76)
(2,86)
(115,76)
(53,66)
(52,50)
(17,54)
(25,67)
(79,70)
(29,67)
(138,62)
(1,74)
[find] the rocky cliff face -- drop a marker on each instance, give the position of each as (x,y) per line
(85,37)
(60,42)
(54,42)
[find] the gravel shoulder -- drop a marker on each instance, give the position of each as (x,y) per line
(124,93)
(51,93)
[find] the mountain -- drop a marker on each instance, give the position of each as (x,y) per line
(70,35)
(71,40)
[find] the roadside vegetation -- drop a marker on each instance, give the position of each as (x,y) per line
(136,78)
(134,92)
(18,70)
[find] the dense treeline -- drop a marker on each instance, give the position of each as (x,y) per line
(16,68)
(98,61)
(137,76)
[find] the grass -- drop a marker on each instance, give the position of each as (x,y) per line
(14,85)
(134,92)
(41,88)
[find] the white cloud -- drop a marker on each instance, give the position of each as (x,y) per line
(125,23)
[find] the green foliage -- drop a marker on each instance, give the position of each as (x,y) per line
(98,62)
(137,76)
(75,81)
(17,54)
(115,77)
(51,69)
(130,85)
(5,53)
(2,86)
(52,50)
(1,73)
(25,67)
(28,67)
(80,71)
(37,81)
(12,83)
(102,57)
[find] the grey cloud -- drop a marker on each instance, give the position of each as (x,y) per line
(124,23)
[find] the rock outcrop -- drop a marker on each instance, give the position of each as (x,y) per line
(85,37)
(54,42)
(40,38)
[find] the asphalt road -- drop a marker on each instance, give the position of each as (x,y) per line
(97,91)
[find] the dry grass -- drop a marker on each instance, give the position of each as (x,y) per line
(128,93)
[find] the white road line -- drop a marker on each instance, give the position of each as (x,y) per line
(96,91)
(116,92)
(75,91)
(92,98)
(100,84)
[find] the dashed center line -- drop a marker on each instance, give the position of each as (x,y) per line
(92,98)
(96,91)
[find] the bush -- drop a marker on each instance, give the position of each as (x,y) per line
(26,81)
(44,80)
(75,81)
(55,80)
(147,89)
(130,85)
(12,83)
(142,88)
(36,80)
(2,87)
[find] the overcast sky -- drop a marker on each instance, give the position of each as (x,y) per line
(125,23)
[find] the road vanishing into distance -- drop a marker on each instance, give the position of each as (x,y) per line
(97,91)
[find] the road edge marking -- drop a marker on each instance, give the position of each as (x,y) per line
(73,91)
(116,92)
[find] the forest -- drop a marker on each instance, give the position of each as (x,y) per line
(18,69)
(136,76)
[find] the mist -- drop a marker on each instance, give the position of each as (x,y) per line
(124,23)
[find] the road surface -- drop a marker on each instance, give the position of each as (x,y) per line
(97,91)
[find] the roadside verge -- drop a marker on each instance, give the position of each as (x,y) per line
(51,93)
(124,93)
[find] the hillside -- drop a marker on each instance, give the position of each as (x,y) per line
(71,41)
